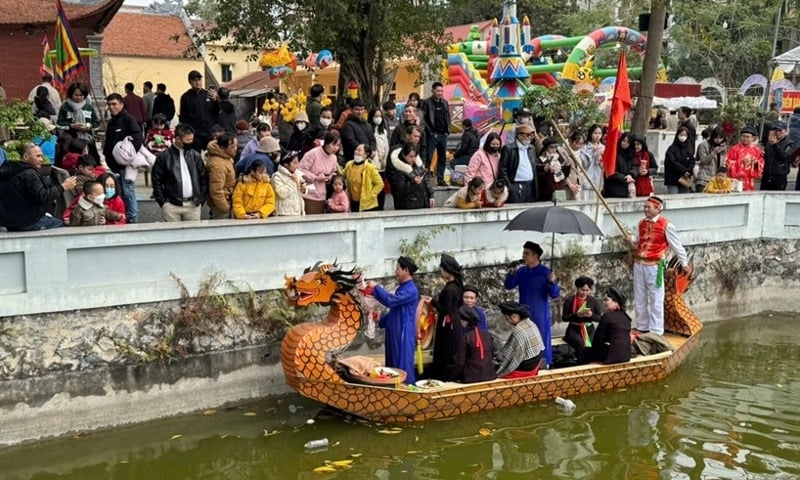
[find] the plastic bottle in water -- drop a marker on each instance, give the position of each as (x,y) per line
(317,444)
(566,404)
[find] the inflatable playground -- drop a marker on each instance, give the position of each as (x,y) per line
(490,71)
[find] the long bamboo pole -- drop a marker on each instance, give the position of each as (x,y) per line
(626,233)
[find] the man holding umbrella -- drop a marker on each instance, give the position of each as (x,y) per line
(536,283)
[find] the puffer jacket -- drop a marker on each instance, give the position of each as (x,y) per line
(252,195)
(25,195)
(371,185)
(221,178)
(287,191)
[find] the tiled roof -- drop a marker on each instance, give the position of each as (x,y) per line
(14,12)
(146,35)
(252,81)
(459,32)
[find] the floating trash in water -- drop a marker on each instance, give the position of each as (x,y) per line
(566,404)
(292,409)
(310,421)
(316,444)
(249,414)
(175,437)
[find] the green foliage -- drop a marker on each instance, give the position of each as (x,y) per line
(361,34)
(419,249)
(724,39)
(572,262)
(737,112)
(17,118)
(560,104)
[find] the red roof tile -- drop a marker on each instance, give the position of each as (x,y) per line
(252,81)
(146,35)
(14,12)
(460,32)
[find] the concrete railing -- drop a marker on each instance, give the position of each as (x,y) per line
(81,268)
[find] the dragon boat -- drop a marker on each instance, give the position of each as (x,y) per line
(309,350)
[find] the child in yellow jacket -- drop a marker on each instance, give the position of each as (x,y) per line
(720,183)
(253,196)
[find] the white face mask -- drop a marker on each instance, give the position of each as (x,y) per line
(358,158)
(682,138)
(98,200)
(301,126)
(325,122)
(377,120)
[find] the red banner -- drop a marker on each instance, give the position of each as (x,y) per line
(790,100)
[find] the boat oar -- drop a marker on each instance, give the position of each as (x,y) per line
(577,161)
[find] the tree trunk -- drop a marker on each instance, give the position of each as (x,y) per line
(647,86)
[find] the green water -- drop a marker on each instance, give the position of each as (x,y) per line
(732,411)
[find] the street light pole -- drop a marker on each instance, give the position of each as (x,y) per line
(771,65)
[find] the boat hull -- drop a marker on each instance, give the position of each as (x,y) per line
(401,405)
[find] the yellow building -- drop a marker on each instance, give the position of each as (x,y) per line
(139,46)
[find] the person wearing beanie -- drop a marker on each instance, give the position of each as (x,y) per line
(400,322)
(448,327)
(537,285)
(745,162)
(612,340)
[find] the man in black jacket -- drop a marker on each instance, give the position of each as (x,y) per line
(436,115)
(26,195)
(777,158)
(163,103)
(122,125)
(199,108)
(518,166)
(469,144)
(180,182)
(356,131)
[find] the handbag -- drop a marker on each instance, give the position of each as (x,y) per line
(686,182)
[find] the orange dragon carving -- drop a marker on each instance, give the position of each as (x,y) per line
(678,317)
(305,347)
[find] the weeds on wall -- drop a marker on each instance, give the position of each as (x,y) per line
(572,262)
(730,272)
(204,313)
(420,248)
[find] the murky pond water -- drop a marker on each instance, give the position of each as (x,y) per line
(732,411)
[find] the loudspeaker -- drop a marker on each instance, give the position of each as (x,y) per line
(644,22)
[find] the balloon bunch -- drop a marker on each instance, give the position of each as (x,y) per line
(279,62)
(319,60)
(292,106)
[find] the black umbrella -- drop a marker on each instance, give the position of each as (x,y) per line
(556,220)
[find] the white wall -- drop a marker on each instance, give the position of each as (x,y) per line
(81,268)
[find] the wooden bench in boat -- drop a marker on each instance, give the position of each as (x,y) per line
(427,356)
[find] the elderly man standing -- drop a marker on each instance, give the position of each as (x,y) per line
(401,322)
(518,166)
(653,238)
(26,196)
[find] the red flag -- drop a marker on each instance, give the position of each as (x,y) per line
(68,57)
(47,66)
(620,104)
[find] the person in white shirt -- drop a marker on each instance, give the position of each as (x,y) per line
(54,96)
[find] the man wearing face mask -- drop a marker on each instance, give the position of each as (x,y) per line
(777,158)
(357,131)
(180,181)
(517,166)
(91,210)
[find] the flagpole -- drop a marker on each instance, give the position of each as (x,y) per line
(621,226)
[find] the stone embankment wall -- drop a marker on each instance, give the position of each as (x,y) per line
(215,340)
